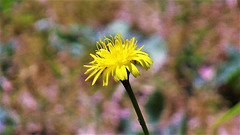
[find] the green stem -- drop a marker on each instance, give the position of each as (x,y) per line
(128,88)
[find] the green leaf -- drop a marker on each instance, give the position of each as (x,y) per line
(6,5)
(183,127)
(154,106)
(8,130)
(228,115)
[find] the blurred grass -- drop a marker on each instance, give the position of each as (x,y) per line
(228,115)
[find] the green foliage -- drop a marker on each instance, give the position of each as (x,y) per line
(8,122)
(6,5)
(228,77)
(183,127)
(6,50)
(24,20)
(8,130)
(234,80)
(6,53)
(228,115)
(154,106)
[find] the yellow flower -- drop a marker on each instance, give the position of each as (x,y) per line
(115,56)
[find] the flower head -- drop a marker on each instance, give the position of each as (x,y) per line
(116,57)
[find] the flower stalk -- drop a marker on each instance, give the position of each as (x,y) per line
(128,88)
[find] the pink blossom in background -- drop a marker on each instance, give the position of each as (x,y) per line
(124,113)
(124,15)
(207,73)
(222,131)
(59,109)
(33,127)
(231,3)
(176,117)
(2,127)
(5,98)
(6,85)
(194,122)
(27,100)
(89,130)
(97,97)
(51,92)
(118,94)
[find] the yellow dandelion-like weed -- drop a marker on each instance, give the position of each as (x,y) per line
(114,57)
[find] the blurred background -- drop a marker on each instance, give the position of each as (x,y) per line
(192,88)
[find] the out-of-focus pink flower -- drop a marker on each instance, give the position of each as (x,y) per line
(177,117)
(231,3)
(97,97)
(89,130)
(124,113)
(5,98)
(33,127)
(110,115)
(222,131)
(2,127)
(124,15)
(207,73)
(118,94)
(50,92)
(194,122)
(59,109)
(6,85)
(27,100)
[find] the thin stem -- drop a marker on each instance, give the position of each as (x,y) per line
(128,88)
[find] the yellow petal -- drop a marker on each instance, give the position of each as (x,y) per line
(144,64)
(89,70)
(123,73)
(133,69)
(106,75)
(141,53)
(146,58)
(113,71)
(119,73)
(87,65)
(139,49)
(110,47)
(96,76)
(93,73)
(114,74)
